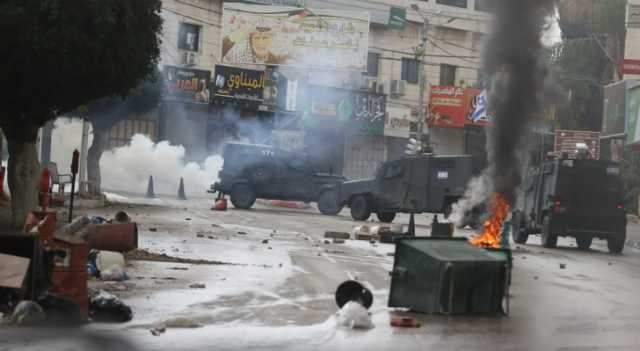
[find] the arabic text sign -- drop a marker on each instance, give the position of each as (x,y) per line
(254,34)
(633,16)
(453,107)
(184,84)
(567,140)
(238,83)
(368,112)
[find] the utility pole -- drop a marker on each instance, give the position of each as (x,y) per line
(423,128)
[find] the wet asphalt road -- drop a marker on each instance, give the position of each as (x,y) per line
(590,304)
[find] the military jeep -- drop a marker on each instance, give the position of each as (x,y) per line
(252,171)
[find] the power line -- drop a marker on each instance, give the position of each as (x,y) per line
(452,55)
(413,54)
(434,64)
(191,17)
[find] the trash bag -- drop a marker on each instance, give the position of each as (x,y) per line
(114,273)
(105,307)
(97,220)
(28,313)
(60,310)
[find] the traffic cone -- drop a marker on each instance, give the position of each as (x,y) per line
(150,193)
(181,194)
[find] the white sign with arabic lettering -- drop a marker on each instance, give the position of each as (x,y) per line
(633,16)
(398,122)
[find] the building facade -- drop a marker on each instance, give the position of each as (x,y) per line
(307,112)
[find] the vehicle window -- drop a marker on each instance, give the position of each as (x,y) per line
(393,171)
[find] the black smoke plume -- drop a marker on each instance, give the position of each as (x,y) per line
(513,61)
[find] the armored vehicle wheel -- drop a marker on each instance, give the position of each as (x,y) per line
(360,208)
(518,233)
(242,196)
(584,241)
(328,203)
(386,217)
(549,239)
(261,173)
(615,243)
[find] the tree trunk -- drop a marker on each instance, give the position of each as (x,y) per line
(100,139)
(23,176)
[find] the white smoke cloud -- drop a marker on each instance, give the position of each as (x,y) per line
(478,192)
(128,168)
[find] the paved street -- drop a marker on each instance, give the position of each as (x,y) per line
(278,294)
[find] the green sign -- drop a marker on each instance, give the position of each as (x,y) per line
(397,18)
(633,115)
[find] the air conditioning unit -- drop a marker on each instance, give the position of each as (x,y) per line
(398,87)
(189,58)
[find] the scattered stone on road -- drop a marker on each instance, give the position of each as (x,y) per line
(153,229)
(197,286)
(338,241)
(265,241)
(563,265)
(336,235)
(242,233)
(327,242)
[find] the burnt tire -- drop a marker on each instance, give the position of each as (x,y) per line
(548,238)
(584,241)
(260,173)
(360,208)
(518,233)
(328,203)
(615,243)
(386,217)
(242,196)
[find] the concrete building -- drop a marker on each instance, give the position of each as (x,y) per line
(192,41)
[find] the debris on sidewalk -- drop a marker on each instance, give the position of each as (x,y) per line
(362,232)
(105,307)
(156,331)
(336,235)
(27,313)
(405,322)
(181,322)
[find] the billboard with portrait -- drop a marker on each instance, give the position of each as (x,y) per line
(255,34)
(186,84)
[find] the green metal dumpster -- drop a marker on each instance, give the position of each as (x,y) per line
(447,275)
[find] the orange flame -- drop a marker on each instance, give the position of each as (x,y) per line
(490,236)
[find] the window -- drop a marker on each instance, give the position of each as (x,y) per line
(372,64)
(409,70)
(189,37)
(456,3)
(447,75)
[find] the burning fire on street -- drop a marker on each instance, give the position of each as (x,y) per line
(490,236)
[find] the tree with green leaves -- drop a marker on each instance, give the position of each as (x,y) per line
(593,35)
(104,113)
(61,54)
